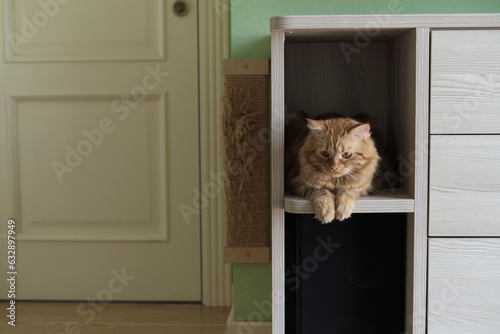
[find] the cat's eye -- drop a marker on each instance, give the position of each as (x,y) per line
(324,154)
(346,155)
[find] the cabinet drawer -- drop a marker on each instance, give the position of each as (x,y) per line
(464,286)
(464,186)
(465,81)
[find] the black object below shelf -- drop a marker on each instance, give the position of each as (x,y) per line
(345,277)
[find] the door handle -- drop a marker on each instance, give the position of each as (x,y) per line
(180,8)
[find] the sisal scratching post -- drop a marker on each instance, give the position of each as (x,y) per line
(245,130)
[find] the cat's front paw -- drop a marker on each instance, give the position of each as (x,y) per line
(324,210)
(343,211)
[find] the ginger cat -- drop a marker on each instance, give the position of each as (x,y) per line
(330,161)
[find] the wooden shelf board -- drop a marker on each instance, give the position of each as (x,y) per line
(385,201)
(314,23)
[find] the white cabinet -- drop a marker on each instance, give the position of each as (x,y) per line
(464,286)
(464,188)
(465,82)
(430,81)
(464,183)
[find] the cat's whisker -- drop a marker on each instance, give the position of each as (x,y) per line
(352,175)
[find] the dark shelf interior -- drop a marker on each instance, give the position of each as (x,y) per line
(345,277)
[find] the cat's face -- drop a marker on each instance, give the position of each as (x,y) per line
(338,147)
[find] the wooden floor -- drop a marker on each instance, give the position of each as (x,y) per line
(59,318)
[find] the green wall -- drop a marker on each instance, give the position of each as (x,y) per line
(250,38)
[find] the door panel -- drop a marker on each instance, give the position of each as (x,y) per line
(115,30)
(100,114)
(98,175)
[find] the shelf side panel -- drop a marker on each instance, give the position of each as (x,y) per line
(277,181)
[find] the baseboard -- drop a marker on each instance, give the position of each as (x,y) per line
(247,327)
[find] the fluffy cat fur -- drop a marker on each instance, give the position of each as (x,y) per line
(332,161)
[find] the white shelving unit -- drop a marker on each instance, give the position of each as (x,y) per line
(376,64)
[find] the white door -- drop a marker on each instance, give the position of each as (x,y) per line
(99,149)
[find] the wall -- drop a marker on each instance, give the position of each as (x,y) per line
(250,38)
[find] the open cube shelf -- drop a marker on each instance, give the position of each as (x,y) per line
(379,65)
(338,275)
(331,71)
(334,72)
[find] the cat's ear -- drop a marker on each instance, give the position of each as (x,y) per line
(360,132)
(315,126)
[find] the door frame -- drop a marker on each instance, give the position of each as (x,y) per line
(213,47)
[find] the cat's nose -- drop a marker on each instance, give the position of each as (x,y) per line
(334,168)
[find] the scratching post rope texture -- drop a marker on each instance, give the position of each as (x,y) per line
(245,129)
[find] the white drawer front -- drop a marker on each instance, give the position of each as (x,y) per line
(464,189)
(465,81)
(464,286)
